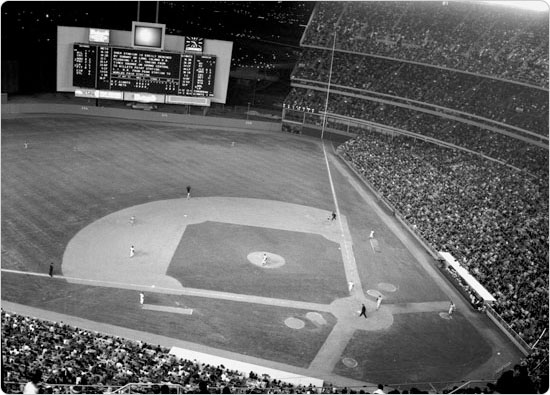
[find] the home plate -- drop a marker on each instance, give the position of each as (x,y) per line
(168,309)
(374,245)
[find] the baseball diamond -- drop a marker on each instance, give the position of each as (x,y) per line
(198,261)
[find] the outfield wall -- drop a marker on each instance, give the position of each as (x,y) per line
(186,120)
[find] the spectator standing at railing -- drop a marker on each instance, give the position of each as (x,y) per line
(32,385)
(522,381)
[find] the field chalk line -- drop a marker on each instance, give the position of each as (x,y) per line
(351,266)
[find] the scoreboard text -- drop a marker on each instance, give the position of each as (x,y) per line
(135,70)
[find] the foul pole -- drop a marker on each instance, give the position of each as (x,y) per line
(328,86)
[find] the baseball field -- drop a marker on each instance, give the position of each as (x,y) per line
(83,192)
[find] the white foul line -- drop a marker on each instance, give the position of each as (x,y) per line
(348,258)
(205,293)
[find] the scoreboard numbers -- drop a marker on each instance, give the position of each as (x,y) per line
(137,70)
(203,75)
(84,65)
(104,69)
(142,71)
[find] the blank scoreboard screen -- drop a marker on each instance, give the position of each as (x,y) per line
(136,70)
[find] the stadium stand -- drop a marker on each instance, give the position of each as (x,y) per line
(500,101)
(420,66)
(494,220)
(97,363)
(449,106)
(59,358)
(517,152)
(493,41)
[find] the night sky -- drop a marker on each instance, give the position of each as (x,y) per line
(265,34)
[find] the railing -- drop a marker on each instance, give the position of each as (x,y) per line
(512,334)
(438,387)
(12,387)
(151,388)
(435,110)
(471,383)
(339,124)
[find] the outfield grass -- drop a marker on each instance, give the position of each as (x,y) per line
(50,191)
(416,348)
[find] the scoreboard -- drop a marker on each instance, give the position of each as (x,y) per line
(136,70)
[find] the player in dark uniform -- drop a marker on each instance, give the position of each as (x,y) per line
(363,311)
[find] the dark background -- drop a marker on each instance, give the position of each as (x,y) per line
(265,38)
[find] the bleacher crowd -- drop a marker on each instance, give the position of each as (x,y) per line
(48,357)
(470,75)
(93,362)
(492,219)
(514,151)
(514,104)
(501,42)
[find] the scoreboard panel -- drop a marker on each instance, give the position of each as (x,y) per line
(137,70)
(203,75)
(144,71)
(186,74)
(103,69)
(84,65)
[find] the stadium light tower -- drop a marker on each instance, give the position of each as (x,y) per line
(328,86)
(156,11)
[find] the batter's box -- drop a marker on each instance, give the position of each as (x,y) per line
(375,246)
(168,309)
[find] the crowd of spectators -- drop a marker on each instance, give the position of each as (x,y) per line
(484,39)
(492,219)
(92,361)
(511,103)
(48,357)
(514,151)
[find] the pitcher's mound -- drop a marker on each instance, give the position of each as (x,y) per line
(273,260)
